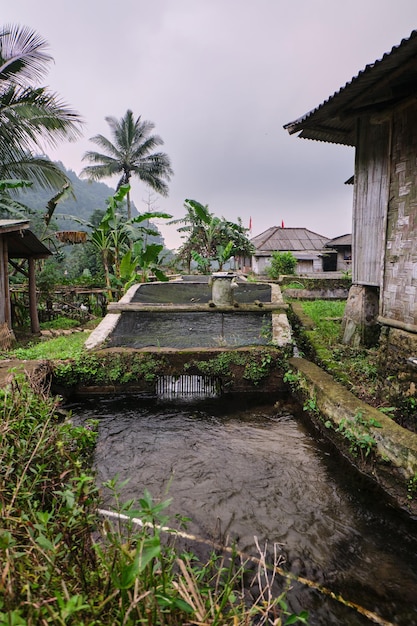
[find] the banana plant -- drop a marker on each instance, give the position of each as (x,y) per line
(124,241)
(139,262)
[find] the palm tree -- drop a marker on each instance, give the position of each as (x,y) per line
(130,153)
(30,116)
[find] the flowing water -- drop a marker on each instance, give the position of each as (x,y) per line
(249,466)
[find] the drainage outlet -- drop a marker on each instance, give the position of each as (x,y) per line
(188,386)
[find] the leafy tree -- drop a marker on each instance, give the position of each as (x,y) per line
(130,153)
(210,239)
(281,263)
(30,115)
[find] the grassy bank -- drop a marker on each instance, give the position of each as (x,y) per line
(359,369)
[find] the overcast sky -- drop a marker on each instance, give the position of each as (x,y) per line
(219,79)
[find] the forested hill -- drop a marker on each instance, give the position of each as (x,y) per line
(89,197)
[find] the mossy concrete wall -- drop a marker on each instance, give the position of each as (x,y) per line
(126,370)
(396,447)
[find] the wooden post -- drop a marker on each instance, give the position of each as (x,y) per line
(3,317)
(33,309)
(5,283)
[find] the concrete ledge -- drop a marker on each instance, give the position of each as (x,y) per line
(318,294)
(306,321)
(119,307)
(336,403)
(102,331)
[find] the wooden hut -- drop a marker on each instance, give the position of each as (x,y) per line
(376,112)
(18,242)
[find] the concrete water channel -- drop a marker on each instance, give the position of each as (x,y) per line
(246,465)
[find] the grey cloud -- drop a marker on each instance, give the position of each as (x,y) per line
(219,79)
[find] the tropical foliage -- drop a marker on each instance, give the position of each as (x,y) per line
(122,244)
(130,153)
(31,116)
(210,240)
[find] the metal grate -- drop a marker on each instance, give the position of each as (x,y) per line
(187,385)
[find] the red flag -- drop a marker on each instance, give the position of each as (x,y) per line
(282,224)
(250,223)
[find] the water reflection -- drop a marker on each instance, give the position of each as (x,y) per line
(240,472)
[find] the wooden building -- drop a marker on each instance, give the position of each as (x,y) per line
(376,112)
(307,247)
(17,242)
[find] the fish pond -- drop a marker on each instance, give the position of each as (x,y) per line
(251,466)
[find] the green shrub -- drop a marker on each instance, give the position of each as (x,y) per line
(281,263)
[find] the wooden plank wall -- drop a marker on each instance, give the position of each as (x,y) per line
(370,201)
(398,299)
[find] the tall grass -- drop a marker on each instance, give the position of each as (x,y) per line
(326,315)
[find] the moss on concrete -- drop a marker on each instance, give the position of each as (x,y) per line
(393,461)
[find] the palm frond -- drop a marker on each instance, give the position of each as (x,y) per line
(22,55)
(42,171)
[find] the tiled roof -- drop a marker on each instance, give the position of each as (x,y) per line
(343,240)
(288,239)
(383,83)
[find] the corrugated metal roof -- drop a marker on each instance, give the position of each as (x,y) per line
(288,240)
(385,82)
(7,226)
(21,242)
(25,245)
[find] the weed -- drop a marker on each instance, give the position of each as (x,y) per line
(311,405)
(219,365)
(266,329)
(357,432)
(293,285)
(323,310)
(64,347)
(108,369)
(292,378)
(412,487)
(259,367)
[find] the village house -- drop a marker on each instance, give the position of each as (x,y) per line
(306,246)
(17,242)
(376,113)
(313,252)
